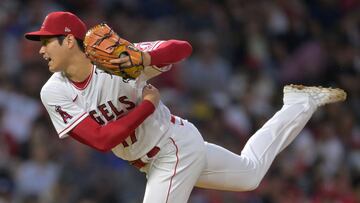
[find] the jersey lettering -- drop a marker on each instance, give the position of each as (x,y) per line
(113,109)
(93,114)
(105,112)
(124,100)
(132,138)
(108,111)
(64,115)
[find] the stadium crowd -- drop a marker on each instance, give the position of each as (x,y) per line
(244,52)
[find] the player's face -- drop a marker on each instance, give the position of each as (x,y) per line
(54,53)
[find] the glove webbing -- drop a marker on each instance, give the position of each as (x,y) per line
(107,35)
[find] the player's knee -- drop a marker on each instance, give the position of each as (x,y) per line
(252,185)
(242,186)
(255,175)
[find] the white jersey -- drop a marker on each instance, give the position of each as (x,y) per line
(105,98)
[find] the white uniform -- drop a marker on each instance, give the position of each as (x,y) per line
(184,159)
(105,98)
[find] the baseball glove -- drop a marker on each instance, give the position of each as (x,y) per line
(102,44)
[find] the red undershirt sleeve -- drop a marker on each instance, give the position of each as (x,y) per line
(104,138)
(170,52)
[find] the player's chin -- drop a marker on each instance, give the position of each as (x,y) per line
(53,69)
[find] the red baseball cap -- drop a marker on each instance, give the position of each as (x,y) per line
(59,23)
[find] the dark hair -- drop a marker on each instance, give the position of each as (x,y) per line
(79,42)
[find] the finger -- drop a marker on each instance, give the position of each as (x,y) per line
(149,86)
(125,65)
(145,89)
(120,60)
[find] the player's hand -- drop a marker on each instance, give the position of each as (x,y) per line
(124,60)
(151,94)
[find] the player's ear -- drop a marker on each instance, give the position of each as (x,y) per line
(70,40)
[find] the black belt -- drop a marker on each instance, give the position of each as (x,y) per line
(138,163)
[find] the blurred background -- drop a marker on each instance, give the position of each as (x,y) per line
(244,53)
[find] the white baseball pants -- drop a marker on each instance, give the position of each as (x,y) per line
(186,160)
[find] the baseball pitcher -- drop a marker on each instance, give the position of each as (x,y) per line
(98,94)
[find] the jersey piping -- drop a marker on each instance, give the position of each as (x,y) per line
(71,126)
(85,83)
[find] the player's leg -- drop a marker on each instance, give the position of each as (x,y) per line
(174,172)
(228,171)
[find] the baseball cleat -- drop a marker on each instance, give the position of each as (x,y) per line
(320,95)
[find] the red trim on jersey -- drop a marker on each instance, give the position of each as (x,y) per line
(82,85)
(155,45)
(71,124)
(172,119)
(176,164)
(170,52)
(104,138)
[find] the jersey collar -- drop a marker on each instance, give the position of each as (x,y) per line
(82,85)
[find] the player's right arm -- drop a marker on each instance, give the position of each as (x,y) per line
(104,138)
(70,119)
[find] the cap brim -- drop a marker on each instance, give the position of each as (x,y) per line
(35,36)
